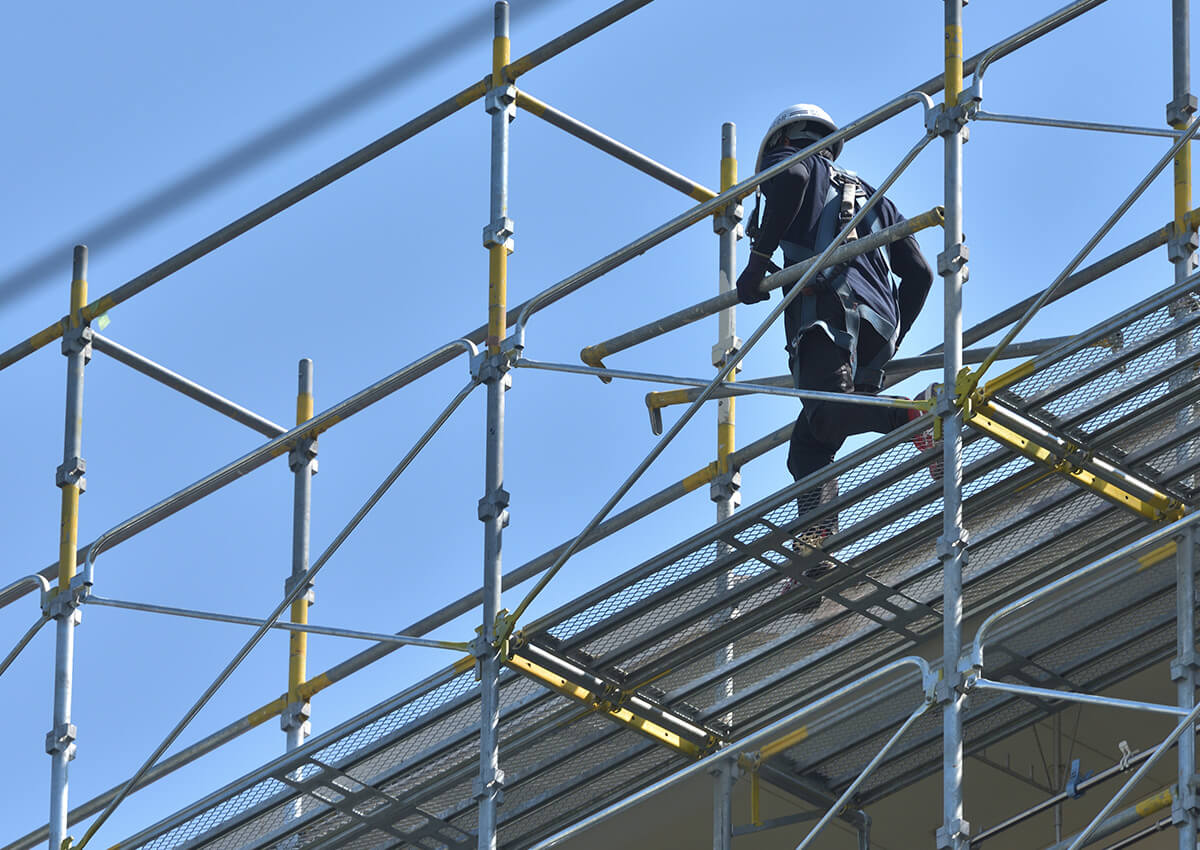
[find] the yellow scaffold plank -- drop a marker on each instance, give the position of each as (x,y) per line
(619,713)
(1158,510)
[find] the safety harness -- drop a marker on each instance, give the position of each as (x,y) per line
(846,195)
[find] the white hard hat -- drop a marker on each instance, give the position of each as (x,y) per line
(798,114)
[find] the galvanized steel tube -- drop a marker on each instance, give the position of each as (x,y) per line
(493,506)
(593,354)
(189,388)
(1184,673)
(612,147)
(302,461)
(60,742)
(1064,124)
(294,628)
(952,544)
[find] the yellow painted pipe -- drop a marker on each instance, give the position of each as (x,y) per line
(954,65)
(298,641)
(726,434)
(498,254)
(786,742)
(755,794)
(68,529)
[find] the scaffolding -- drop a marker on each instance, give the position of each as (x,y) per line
(1074,471)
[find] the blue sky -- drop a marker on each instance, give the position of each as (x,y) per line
(107,104)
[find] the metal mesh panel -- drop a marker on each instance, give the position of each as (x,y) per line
(424,705)
(564,810)
(221,812)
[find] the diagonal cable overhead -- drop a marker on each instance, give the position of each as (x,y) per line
(236,161)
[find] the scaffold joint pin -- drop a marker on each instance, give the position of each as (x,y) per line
(729,218)
(499,232)
(491,367)
(726,487)
(62,739)
(1181,109)
(955,832)
(954,259)
(494,788)
(303,453)
(1183,246)
(493,505)
(71,472)
(501,99)
(78,341)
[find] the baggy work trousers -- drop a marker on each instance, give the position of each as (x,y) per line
(822,426)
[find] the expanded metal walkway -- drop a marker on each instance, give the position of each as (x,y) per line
(719,635)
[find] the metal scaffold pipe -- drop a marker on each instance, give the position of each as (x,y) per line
(593,354)
(954,832)
(62,604)
(190,389)
(612,147)
(302,460)
(493,507)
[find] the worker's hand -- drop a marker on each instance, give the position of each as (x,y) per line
(747,283)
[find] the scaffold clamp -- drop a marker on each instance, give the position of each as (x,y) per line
(494,505)
(722,351)
(948,549)
(1183,246)
(954,832)
(296,716)
(954,259)
(290,583)
(730,218)
(71,472)
(489,367)
(499,232)
(501,99)
(303,453)
(1076,776)
(57,604)
(1184,807)
(61,739)
(941,121)
(726,487)
(78,341)
(1181,109)
(494,788)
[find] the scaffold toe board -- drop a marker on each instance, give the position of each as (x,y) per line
(735,627)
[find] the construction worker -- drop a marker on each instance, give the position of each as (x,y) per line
(848,321)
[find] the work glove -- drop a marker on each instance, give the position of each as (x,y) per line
(757,268)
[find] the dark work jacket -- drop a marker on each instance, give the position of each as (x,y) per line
(794,200)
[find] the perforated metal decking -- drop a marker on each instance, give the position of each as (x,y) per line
(728,642)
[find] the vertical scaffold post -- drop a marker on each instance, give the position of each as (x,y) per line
(1182,251)
(1184,811)
(951,546)
(63,604)
(727,225)
(303,462)
(723,776)
(725,489)
(1179,112)
(494,372)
